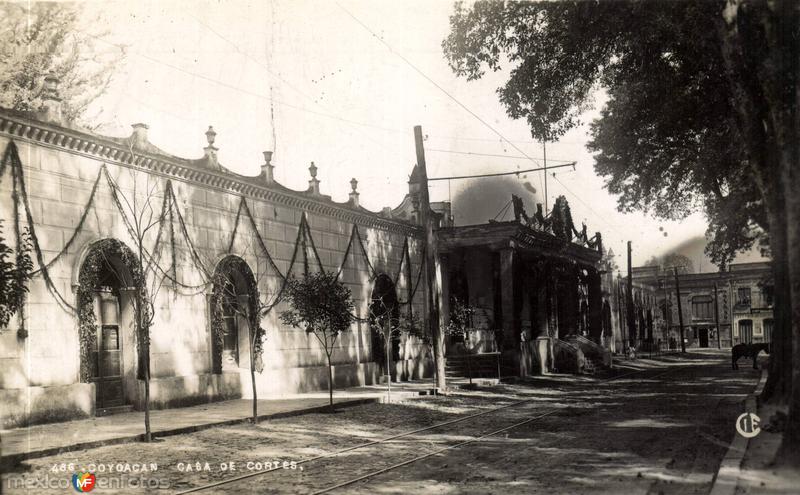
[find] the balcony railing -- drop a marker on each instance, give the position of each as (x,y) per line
(753,302)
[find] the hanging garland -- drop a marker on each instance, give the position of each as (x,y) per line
(18,187)
(235,225)
(79,226)
(169,208)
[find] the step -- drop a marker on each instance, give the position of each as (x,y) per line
(107,411)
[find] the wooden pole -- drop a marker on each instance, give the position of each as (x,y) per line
(716,316)
(620,312)
(431,253)
(680,309)
(544,152)
(629,302)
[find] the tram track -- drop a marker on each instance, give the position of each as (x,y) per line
(424,455)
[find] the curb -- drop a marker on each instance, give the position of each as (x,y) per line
(727,476)
(15,459)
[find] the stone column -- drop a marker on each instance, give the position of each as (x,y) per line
(507,298)
(443,281)
(595,306)
(552,303)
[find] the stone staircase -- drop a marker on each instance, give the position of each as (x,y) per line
(595,356)
(483,365)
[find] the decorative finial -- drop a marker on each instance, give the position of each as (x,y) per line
(313,184)
(51,110)
(268,168)
(211,150)
(354,193)
(211,135)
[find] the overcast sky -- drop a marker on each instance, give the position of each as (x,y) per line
(308,81)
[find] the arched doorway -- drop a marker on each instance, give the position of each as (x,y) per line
(234,312)
(384,313)
(107,283)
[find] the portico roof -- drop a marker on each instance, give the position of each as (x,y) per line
(500,235)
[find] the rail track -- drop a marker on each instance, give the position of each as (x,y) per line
(410,433)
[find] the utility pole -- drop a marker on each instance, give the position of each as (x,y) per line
(716,316)
(667,314)
(629,302)
(544,152)
(620,313)
(431,253)
(680,309)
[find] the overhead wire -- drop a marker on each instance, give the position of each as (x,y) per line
(458,102)
(516,157)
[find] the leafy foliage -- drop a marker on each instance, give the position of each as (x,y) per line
(666,140)
(460,318)
(321,305)
(40,38)
(14,275)
(95,266)
(225,287)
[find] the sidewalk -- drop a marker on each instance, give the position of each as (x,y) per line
(747,467)
(757,475)
(42,440)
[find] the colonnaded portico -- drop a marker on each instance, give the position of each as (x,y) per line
(211,250)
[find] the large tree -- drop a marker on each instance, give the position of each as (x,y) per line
(701,112)
(41,38)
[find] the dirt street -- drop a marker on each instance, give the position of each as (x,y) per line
(662,430)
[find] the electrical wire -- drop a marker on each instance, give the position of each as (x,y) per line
(515,157)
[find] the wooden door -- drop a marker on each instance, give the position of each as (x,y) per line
(703,337)
(108,367)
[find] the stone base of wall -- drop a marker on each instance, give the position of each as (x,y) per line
(181,391)
(37,405)
(280,381)
(415,369)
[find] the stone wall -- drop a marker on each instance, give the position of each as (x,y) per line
(59,182)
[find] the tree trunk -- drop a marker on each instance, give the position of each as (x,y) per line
(144,350)
(790,164)
(148,435)
(759,48)
(330,380)
(387,336)
(779,381)
(253,376)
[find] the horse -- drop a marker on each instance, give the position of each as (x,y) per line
(747,350)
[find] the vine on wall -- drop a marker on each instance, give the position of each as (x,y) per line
(224,277)
(96,262)
(14,276)
(88,277)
